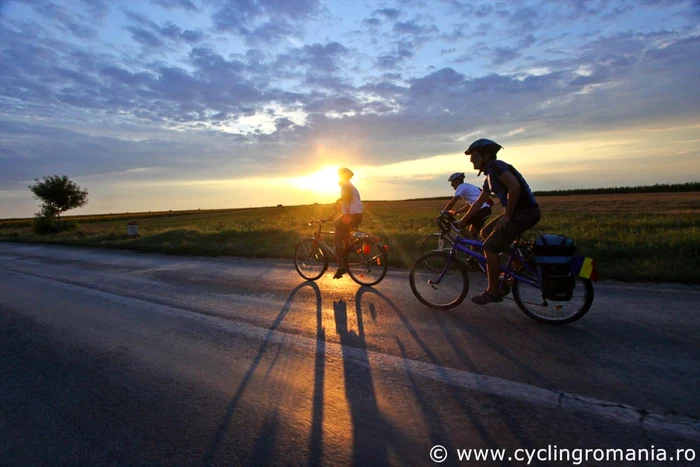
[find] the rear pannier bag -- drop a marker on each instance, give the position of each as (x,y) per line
(553,255)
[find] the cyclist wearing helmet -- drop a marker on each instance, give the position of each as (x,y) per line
(469,193)
(521,210)
(350,206)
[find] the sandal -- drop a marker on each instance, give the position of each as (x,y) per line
(339,273)
(484,298)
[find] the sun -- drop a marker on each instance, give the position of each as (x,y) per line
(324,180)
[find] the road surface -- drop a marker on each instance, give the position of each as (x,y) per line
(113,357)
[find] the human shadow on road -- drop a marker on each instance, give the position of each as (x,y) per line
(369,431)
(429,411)
(316,439)
(269,431)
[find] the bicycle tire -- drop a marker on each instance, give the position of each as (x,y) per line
(366,269)
(310,264)
(537,311)
(455,282)
(435,242)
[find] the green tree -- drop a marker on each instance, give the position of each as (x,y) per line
(58,194)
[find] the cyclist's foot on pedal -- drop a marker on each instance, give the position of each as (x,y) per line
(339,273)
(484,298)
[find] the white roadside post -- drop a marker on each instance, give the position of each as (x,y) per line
(133,229)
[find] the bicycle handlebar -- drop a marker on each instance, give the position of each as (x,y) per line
(444,220)
(318,221)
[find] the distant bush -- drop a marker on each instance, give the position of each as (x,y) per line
(46,222)
(658,188)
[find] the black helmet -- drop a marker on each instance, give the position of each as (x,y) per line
(456,176)
(345,172)
(484,145)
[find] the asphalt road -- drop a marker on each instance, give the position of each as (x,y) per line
(112,357)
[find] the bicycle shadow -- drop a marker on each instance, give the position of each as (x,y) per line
(438,435)
(265,444)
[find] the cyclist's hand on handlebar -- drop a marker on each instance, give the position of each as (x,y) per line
(452,212)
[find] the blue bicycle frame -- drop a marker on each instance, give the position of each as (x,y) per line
(462,244)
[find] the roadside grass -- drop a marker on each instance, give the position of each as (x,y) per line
(648,237)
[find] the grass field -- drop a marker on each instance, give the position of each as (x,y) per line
(653,236)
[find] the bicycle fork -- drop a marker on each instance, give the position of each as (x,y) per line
(448,264)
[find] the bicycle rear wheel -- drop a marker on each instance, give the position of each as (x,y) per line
(366,268)
(310,262)
(453,287)
(530,300)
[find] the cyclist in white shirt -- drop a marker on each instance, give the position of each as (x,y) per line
(469,193)
(350,206)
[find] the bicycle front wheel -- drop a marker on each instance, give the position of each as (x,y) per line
(435,242)
(310,260)
(530,300)
(366,268)
(452,288)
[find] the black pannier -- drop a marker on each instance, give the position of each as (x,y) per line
(553,255)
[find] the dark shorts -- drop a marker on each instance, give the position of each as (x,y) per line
(500,240)
(479,219)
(346,223)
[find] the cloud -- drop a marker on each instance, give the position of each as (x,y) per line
(372,22)
(150,35)
(144,37)
(173,4)
(264,21)
(268,81)
(503,55)
(174,32)
(76,24)
(389,13)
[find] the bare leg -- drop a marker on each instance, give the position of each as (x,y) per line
(493,269)
(340,251)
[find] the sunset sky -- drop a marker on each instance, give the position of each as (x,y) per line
(186,104)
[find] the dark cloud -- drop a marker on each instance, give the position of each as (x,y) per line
(269,33)
(525,20)
(501,55)
(174,33)
(388,13)
(150,34)
(139,19)
(594,81)
(35,151)
(64,19)
(184,4)
(484,10)
(413,28)
(144,37)
(372,22)
(323,57)
(97,9)
(264,21)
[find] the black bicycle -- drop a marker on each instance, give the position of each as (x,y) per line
(365,255)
